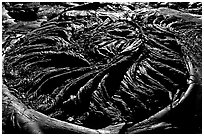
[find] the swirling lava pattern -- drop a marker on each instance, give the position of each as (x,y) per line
(97,69)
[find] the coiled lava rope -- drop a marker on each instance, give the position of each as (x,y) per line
(97,70)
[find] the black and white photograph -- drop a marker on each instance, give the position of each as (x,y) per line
(112,67)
